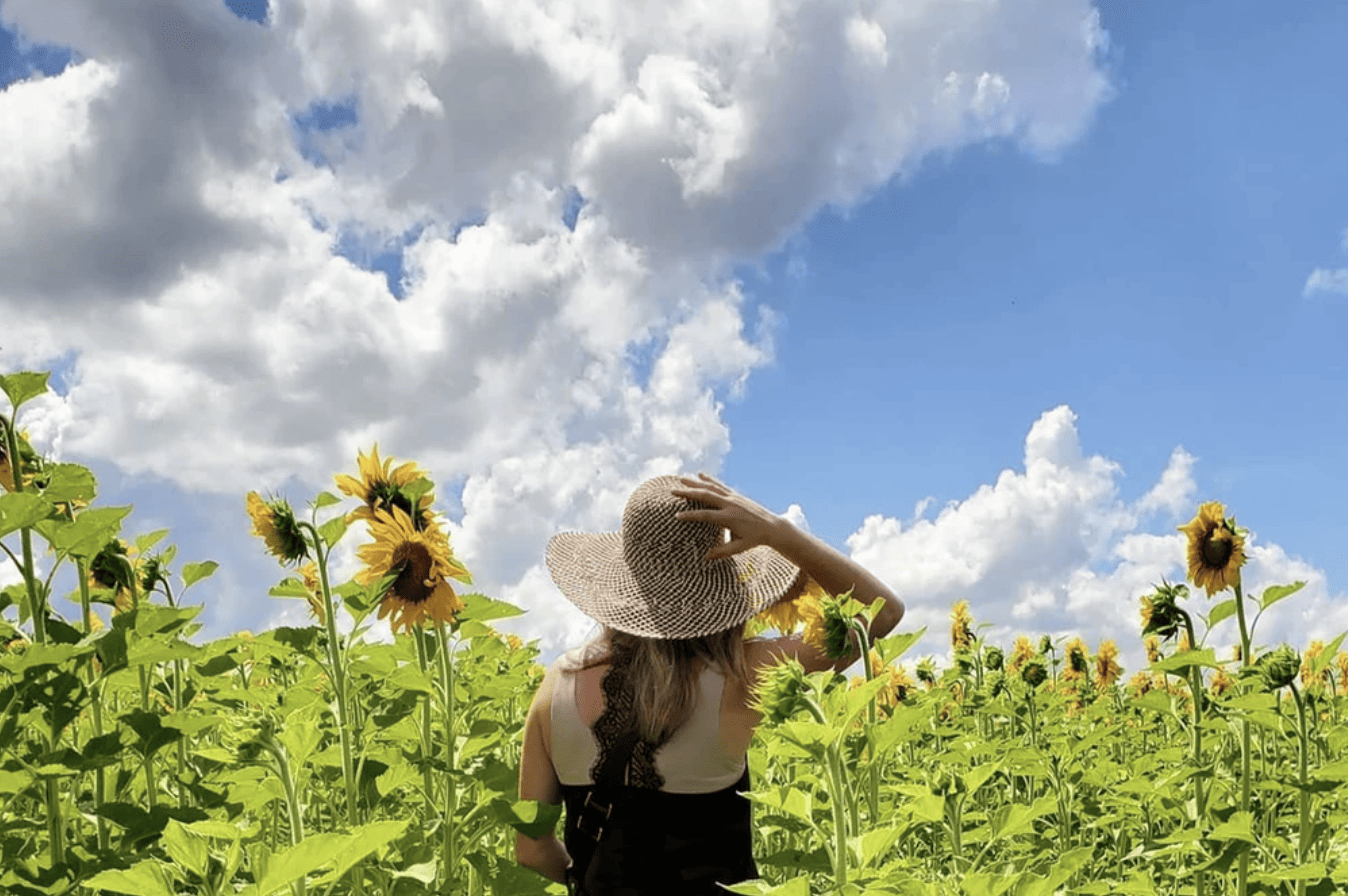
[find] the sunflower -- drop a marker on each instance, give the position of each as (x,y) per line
(274,522)
(1310,679)
(1152,645)
(961,626)
(1341,663)
(1141,684)
(1221,682)
(1107,667)
(419,563)
(1078,666)
(1216,549)
(1021,653)
(382,486)
(787,614)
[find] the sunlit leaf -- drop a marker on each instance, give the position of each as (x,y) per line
(145,878)
(69,482)
(23,386)
(1275,593)
(22,510)
(195,572)
(530,817)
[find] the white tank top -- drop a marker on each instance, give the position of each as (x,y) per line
(694,760)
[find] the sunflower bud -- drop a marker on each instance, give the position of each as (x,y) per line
(1279,668)
(1046,644)
(993,658)
(837,629)
(926,672)
(782,692)
(1033,672)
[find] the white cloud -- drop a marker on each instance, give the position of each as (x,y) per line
(1053,549)
(187,262)
(1325,280)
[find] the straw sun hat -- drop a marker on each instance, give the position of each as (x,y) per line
(652,578)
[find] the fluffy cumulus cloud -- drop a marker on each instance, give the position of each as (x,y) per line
(175,231)
(1053,549)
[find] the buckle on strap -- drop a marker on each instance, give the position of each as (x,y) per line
(591,804)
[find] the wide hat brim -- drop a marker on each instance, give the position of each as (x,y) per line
(652,578)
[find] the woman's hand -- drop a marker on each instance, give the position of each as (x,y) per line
(750,524)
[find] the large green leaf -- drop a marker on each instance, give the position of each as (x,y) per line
(87,535)
(1275,593)
(145,878)
(530,817)
(1187,659)
(481,608)
(186,848)
(195,572)
(337,852)
(69,482)
(22,510)
(23,386)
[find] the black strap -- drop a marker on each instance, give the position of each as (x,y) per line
(612,775)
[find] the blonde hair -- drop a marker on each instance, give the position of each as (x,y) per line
(663,673)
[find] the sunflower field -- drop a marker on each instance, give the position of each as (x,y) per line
(136,758)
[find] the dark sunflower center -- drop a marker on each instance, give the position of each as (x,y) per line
(1217,549)
(386,495)
(413,563)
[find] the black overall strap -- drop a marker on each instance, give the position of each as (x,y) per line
(612,775)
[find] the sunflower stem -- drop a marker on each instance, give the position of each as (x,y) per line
(872,765)
(449,846)
(96,705)
(1196,689)
(1303,738)
(1243,861)
(426,743)
(337,673)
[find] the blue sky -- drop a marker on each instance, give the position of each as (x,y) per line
(995,324)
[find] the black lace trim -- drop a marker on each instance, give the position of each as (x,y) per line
(618,717)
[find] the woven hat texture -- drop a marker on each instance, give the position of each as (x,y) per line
(652,578)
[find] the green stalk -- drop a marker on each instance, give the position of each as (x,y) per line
(96,704)
(836,798)
(1243,862)
(449,845)
(1303,742)
(292,799)
(873,764)
(426,743)
(1196,691)
(37,606)
(337,672)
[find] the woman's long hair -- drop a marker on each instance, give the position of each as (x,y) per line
(663,673)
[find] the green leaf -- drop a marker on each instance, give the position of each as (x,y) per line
(150,539)
(186,848)
(1237,827)
(340,851)
(1223,610)
(892,647)
(87,535)
(289,587)
(1326,657)
(332,531)
(530,817)
(481,608)
(195,572)
(69,482)
(147,878)
(22,510)
(1275,593)
(1185,660)
(23,386)
(325,499)
(798,886)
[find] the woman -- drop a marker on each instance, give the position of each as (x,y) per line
(670,681)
